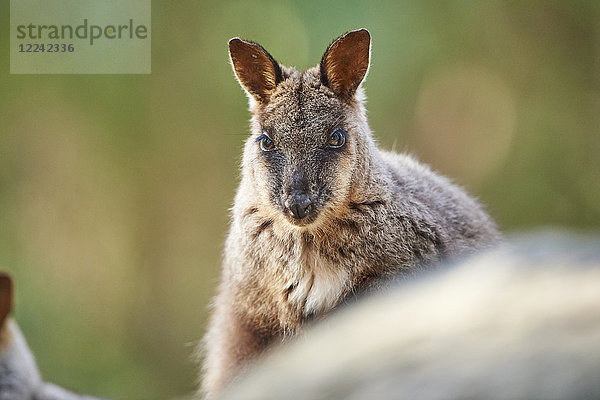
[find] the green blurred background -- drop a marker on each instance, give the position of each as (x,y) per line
(115,189)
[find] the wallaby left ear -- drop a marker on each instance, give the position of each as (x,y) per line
(255,68)
(6,297)
(345,63)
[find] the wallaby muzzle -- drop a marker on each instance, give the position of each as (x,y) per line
(297,199)
(299,205)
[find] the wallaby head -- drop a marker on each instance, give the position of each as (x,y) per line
(310,144)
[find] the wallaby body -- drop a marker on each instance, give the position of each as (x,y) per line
(321,213)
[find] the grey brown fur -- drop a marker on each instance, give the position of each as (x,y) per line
(314,224)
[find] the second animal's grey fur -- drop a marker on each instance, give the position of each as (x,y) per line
(20,378)
(321,213)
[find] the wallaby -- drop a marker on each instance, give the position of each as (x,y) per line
(321,213)
(20,378)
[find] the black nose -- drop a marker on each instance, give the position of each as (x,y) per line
(299,205)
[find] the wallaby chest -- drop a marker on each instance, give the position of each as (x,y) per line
(288,276)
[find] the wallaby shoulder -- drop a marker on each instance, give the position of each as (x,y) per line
(462,223)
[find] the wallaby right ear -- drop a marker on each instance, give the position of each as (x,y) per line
(346,62)
(6,297)
(254,67)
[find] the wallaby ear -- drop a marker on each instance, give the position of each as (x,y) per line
(254,67)
(345,63)
(6,297)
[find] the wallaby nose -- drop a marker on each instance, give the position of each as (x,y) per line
(299,205)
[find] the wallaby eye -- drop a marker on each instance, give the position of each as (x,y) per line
(266,143)
(337,138)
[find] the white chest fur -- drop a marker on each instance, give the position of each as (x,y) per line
(317,285)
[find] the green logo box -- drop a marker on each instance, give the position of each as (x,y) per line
(80,37)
